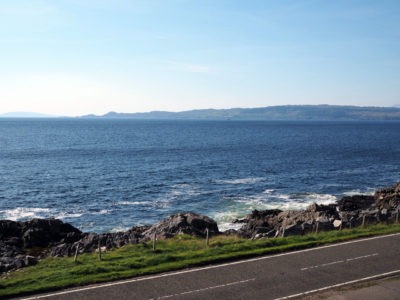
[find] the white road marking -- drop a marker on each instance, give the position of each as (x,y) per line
(339,262)
(92,287)
(205,289)
(340,285)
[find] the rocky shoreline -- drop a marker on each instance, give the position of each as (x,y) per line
(25,243)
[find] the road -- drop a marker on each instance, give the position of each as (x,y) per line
(282,276)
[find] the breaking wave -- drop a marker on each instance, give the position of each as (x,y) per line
(21,213)
(240,205)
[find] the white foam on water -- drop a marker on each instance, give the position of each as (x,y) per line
(133,203)
(255,203)
(102,212)
(300,201)
(162,204)
(225,219)
(182,186)
(284,197)
(224,226)
(119,229)
(19,213)
(251,201)
(242,205)
(320,198)
(368,192)
(67,215)
(269,191)
(183,189)
(249,180)
(176,193)
(352,193)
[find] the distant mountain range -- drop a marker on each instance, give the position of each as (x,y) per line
(271,113)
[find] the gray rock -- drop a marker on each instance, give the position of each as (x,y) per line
(183,223)
(325,225)
(388,198)
(356,202)
(259,222)
(293,230)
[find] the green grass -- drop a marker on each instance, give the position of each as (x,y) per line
(177,253)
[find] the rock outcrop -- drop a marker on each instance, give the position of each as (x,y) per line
(272,223)
(183,223)
(349,211)
(356,202)
(89,242)
(24,243)
(19,240)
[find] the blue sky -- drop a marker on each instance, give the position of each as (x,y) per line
(74,57)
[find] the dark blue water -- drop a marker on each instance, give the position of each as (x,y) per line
(104,175)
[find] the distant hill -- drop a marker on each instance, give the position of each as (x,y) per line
(271,113)
(25,115)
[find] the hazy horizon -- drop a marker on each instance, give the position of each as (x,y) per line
(74,58)
(33,114)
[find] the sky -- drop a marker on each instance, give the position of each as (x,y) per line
(76,57)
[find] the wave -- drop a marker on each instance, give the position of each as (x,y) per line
(68,215)
(225,219)
(368,192)
(268,199)
(162,203)
(20,213)
(25,213)
(269,191)
(315,197)
(183,189)
(102,212)
(249,180)
(175,195)
(119,229)
(133,203)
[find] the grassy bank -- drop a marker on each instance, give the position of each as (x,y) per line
(173,254)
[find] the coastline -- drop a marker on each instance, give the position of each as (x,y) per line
(53,238)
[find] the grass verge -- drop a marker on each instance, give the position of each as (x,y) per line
(177,253)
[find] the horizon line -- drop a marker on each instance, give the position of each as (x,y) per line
(27,114)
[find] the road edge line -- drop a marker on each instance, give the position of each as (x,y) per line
(383,275)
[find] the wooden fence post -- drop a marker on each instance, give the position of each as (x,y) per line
(76,253)
(99,247)
(154,241)
(207,237)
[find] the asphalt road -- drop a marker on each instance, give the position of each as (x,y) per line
(281,276)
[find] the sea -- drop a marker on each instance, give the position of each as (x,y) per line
(107,175)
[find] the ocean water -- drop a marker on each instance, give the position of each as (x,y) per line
(109,175)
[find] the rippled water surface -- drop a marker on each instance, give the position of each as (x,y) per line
(108,175)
